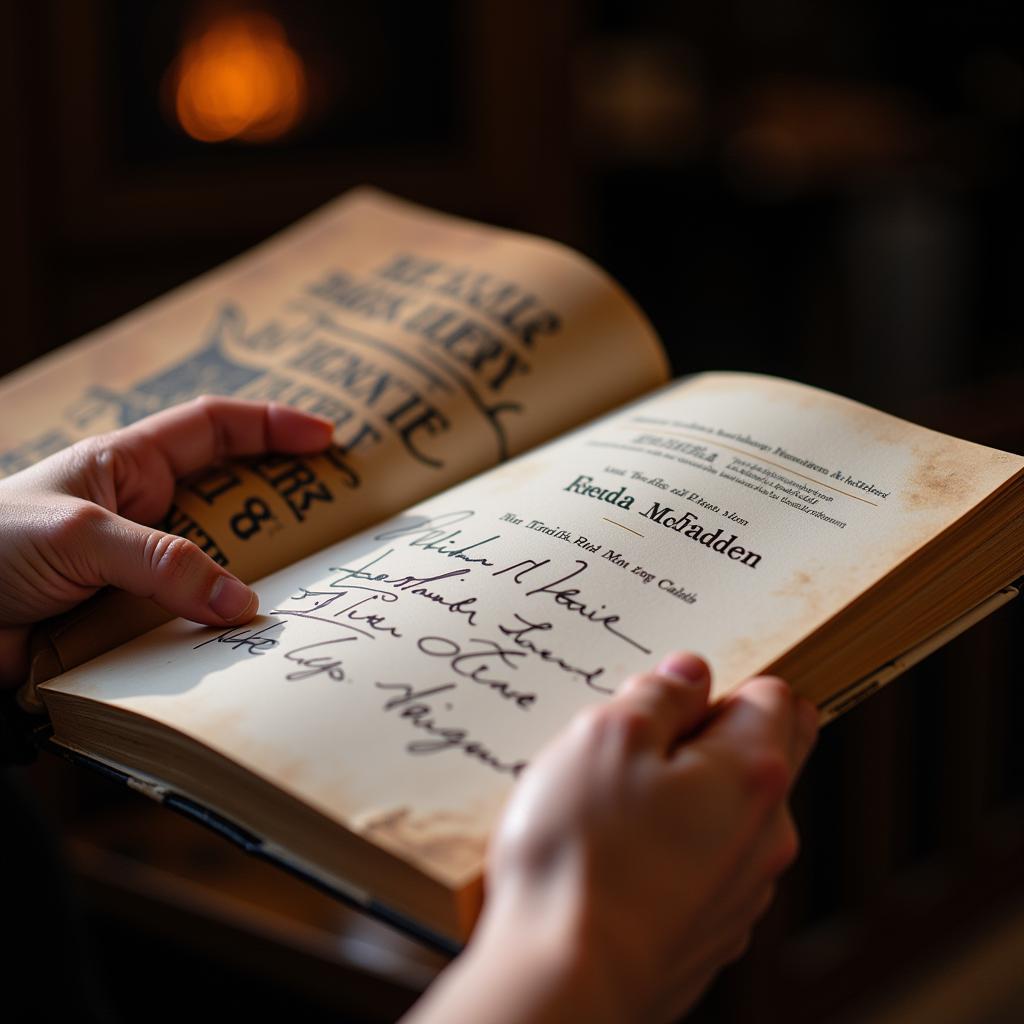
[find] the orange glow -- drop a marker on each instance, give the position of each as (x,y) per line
(239,79)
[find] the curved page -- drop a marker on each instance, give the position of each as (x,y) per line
(437,346)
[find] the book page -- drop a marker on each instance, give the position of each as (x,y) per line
(399,682)
(437,346)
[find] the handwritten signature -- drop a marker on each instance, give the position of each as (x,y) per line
(569,598)
(432,533)
(409,704)
(317,664)
(418,586)
(472,665)
(252,641)
(353,616)
(520,635)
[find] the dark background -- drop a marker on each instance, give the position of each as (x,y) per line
(822,191)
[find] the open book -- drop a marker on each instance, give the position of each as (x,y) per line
(421,637)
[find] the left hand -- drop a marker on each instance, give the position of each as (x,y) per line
(75,522)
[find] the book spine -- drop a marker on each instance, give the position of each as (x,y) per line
(352,897)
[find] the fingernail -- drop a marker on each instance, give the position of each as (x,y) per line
(231,598)
(682,668)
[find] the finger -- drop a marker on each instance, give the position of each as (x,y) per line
(759,718)
(170,569)
(133,470)
(198,433)
(672,700)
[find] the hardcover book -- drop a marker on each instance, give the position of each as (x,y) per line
(518,511)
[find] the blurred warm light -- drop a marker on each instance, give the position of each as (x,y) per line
(238,79)
(790,133)
(640,97)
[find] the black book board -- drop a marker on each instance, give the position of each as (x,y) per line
(253,845)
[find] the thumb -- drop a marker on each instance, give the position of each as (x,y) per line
(171,570)
(673,698)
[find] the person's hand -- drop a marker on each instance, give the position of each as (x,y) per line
(636,853)
(74,522)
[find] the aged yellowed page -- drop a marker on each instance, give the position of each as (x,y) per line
(438,347)
(399,681)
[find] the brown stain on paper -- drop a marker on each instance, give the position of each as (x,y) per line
(440,838)
(940,479)
(804,586)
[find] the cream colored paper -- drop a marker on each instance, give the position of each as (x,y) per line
(399,681)
(438,347)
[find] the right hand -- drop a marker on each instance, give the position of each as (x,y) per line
(643,844)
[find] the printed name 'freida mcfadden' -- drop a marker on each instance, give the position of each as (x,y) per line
(685,523)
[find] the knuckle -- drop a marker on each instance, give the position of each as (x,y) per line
(92,447)
(69,525)
(91,453)
(660,689)
(631,726)
(633,683)
(653,690)
(205,403)
(777,687)
(170,557)
(615,723)
(778,684)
